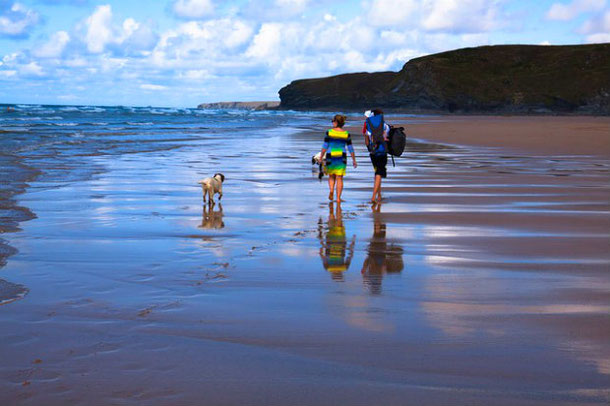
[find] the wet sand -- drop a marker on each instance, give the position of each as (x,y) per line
(543,135)
(481,279)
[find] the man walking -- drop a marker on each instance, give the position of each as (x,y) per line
(376,133)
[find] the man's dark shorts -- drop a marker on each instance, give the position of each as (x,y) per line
(379,163)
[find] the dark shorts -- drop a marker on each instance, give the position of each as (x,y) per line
(379,163)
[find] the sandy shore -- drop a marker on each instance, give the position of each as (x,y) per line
(482,279)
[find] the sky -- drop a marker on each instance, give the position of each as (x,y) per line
(180,53)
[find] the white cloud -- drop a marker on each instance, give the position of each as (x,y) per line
(457,16)
(196,44)
(147,86)
(291,50)
(103,34)
(136,36)
(16,20)
(598,24)
(291,7)
(597,29)
(10,58)
(70,2)
(8,73)
(299,5)
(393,12)
(76,62)
(460,16)
(196,74)
(565,12)
(54,47)
(111,64)
(598,38)
(99,32)
(266,11)
(267,41)
(193,9)
(31,69)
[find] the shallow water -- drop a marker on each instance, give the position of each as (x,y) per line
(482,278)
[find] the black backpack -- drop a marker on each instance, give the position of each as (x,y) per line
(397,141)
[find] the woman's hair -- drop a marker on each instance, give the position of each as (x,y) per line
(340,120)
(377,112)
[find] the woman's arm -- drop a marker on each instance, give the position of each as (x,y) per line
(325,147)
(350,148)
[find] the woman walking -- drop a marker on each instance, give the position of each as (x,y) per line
(335,143)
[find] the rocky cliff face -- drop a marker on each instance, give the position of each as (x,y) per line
(256,105)
(490,79)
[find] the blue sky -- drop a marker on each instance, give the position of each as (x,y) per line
(183,52)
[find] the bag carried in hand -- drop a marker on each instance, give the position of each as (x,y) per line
(397,141)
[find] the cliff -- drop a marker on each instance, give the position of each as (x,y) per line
(488,79)
(256,105)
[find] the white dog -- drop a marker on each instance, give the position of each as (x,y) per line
(317,159)
(212,186)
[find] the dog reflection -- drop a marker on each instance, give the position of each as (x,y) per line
(335,252)
(382,258)
(212,219)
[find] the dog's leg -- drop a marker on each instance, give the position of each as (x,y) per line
(220,193)
(204,192)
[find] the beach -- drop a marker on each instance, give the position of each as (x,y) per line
(482,278)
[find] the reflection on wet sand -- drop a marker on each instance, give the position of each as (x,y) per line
(335,253)
(381,258)
(210,218)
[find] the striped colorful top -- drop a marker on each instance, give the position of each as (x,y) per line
(336,141)
(334,144)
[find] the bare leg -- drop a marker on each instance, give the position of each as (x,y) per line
(339,188)
(331,186)
(377,189)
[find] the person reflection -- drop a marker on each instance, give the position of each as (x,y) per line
(211,219)
(381,258)
(335,253)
